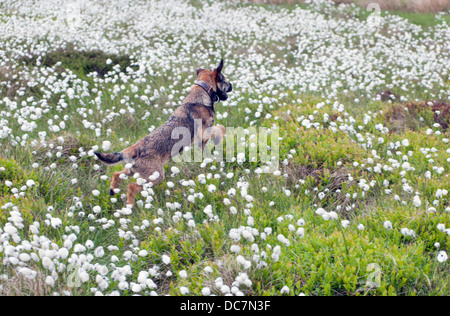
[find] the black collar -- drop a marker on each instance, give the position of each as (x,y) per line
(209,89)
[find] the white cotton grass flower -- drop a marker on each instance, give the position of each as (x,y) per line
(175,170)
(285,290)
(333,215)
(143,253)
(97,209)
(48,264)
(281,238)
(106,145)
(154,176)
(99,252)
(442,257)
(320,211)
(208,270)
(56,222)
(184,290)
(50,281)
(225,289)
(206,291)
(10,229)
(246,264)
(212,188)
(79,248)
(235,249)
(408,232)
(416,201)
(166,259)
(183,274)
(24,257)
(405,143)
(441,228)
(208,211)
(27,273)
(30,183)
(327,215)
(89,244)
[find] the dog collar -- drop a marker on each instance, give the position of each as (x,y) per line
(209,89)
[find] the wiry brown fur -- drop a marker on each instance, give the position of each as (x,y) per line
(150,154)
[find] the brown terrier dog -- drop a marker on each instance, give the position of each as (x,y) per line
(193,119)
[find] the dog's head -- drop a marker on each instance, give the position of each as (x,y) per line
(217,80)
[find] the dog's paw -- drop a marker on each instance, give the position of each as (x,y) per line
(218,139)
(219,133)
(222,129)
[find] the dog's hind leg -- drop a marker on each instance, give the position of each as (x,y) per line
(152,173)
(117,179)
(133,190)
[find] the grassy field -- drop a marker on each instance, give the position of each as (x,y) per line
(422,6)
(426,16)
(359,205)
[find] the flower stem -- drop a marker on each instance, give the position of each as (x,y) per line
(345,241)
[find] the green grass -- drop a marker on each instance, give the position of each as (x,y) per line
(426,20)
(316,264)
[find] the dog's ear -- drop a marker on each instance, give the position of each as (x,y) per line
(218,71)
(199,71)
(220,68)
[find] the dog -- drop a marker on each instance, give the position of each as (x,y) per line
(195,116)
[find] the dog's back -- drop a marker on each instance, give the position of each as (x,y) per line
(178,132)
(179,128)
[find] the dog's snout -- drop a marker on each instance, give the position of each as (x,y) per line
(230,88)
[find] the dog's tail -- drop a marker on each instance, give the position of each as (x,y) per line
(110,159)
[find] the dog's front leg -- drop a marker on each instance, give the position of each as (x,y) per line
(216,133)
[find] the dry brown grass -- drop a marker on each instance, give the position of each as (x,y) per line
(388,95)
(8,82)
(331,180)
(19,285)
(408,116)
(419,6)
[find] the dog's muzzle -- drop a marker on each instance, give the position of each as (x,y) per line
(223,96)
